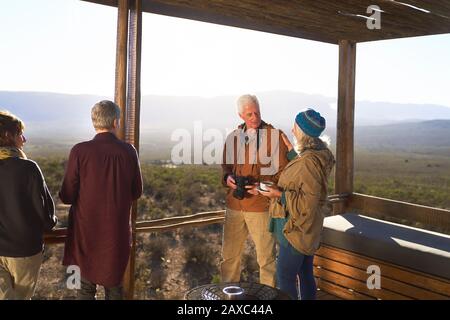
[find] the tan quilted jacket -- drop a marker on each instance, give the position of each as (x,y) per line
(305,182)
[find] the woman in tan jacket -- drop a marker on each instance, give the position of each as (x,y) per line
(298,205)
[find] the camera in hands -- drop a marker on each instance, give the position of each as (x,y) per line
(241,182)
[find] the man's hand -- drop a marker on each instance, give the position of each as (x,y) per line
(231,182)
(287,142)
(252,189)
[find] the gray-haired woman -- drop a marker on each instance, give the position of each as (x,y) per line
(298,204)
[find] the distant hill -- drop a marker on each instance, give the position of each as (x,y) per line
(51,114)
(427,136)
(61,113)
(369,113)
(64,119)
(69,112)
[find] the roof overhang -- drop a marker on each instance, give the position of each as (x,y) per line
(321,20)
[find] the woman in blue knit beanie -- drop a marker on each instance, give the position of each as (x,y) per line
(298,205)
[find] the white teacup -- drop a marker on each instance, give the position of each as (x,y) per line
(233,293)
(264,185)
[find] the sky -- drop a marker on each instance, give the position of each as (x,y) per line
(68,46)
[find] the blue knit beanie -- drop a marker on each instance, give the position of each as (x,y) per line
(311,122)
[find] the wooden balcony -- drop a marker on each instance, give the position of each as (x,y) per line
(341,273)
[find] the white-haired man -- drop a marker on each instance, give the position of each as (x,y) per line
(253,153)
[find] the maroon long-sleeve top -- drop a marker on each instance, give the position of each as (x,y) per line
(102,179)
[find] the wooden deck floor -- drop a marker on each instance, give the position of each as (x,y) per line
(322,295)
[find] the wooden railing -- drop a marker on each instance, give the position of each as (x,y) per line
(167,224)
(381,208)
(195,220)
(368,205)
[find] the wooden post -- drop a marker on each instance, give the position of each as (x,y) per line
(133,120)
(345,122)
(120,92)
(134,73)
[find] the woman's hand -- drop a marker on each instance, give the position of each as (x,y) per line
(286,141)
(273,192)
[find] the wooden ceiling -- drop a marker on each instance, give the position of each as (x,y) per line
(320,20)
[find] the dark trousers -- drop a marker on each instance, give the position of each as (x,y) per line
(293,265)
(89,289)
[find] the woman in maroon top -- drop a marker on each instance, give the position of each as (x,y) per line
(102,180)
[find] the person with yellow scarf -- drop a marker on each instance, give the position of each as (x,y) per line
(26,212)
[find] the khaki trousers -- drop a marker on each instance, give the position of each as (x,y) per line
(238,224)
(18,277)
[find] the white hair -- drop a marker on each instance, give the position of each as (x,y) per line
(245,100)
